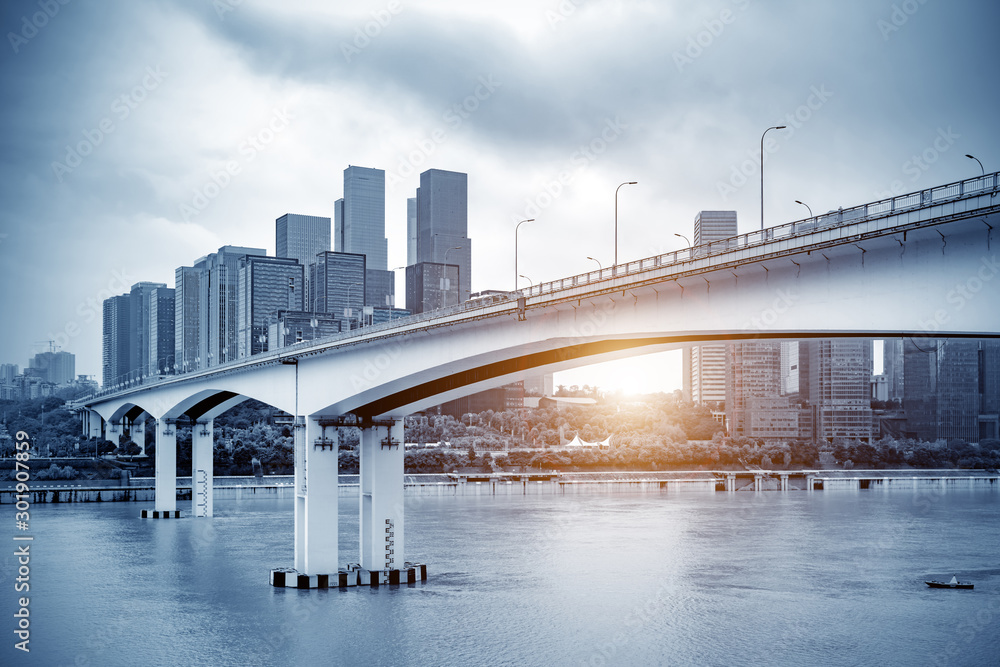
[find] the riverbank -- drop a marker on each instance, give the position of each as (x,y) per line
(141,489)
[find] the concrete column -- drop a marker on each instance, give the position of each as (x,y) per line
(317,501)
(381,462)
(756,482)
(730,482)
(138,435)
(202,445)
(810,482)
(784,482)
(165,498)
(93,423)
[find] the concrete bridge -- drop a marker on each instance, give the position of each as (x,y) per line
(915,265)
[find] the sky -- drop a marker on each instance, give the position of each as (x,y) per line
(138,137)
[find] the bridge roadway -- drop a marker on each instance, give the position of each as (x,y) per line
(920,264)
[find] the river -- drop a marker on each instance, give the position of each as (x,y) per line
(678,578)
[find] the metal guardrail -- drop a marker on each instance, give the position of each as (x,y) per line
(499,303)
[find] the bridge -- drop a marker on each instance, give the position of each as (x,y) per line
(915,265)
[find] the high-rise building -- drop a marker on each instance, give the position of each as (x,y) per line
(359,228)
(836,383)
(7,373)
(951,389)
(754,405)
(411,231)
(892,368)
(222,269)
(302,237)
(442,225)
(430,286)
(116,355)
(54,367)
(162,313)
(339,281)
(139,303)
(705,365)
(264,286)
(288,327)
(190,316)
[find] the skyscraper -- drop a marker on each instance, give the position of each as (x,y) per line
(302,237)
(162,312)
(190,316)
(836,382)
(339,281)
(359,228)
(411,231)
(116,356)
(705,365)
(222,269)
(54,367)
(264,286)
(442,224)
(139,304)
(754,405)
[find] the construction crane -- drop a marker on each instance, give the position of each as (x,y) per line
(52,344)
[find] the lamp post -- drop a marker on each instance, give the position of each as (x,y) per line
(517,227)
(973,157)
(599,266)
(530,282)
(807,207)
(776,127)
(616,216)
(683,237)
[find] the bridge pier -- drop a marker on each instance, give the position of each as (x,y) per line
(202,474)
(381,461)
(757,482)
(784,482)
(317,500)
(137,433)
(114,430)
(731,482)
(92,424)
(165,490)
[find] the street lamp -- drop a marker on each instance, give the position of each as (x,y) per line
(806,205)
(683,237)
(599,267)
(973,157)
(516,227)
(530,282)
(616,216)
(776,127)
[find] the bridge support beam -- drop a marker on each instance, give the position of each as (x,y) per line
(165,499)
(317,499)
(138,435)
(202,484)
(114,430)
(381,461)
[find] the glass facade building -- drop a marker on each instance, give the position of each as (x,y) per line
(264,285)
(162,311)
(115,357)
(430,286)
(339,279)
(302,237)
(190,317)
(442,226)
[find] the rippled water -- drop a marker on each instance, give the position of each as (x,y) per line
(682,579)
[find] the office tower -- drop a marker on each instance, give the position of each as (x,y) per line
(190,317)
(705,365)
(302,237)
(754,405)
(836,382)
(442,226)
(288,327)
(264,285)
(892,367)
(139,302)
(789,368)
(219,292)
(951,389)
(359,228)
(430,286)
(162,312)
(339,281)
(116,356)
(411,231)
(54,367)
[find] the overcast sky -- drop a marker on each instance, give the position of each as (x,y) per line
(138,136)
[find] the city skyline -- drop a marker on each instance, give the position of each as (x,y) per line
(135,168)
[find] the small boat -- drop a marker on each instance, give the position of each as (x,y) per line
(954,583)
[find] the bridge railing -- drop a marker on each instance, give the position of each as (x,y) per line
(829,220)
